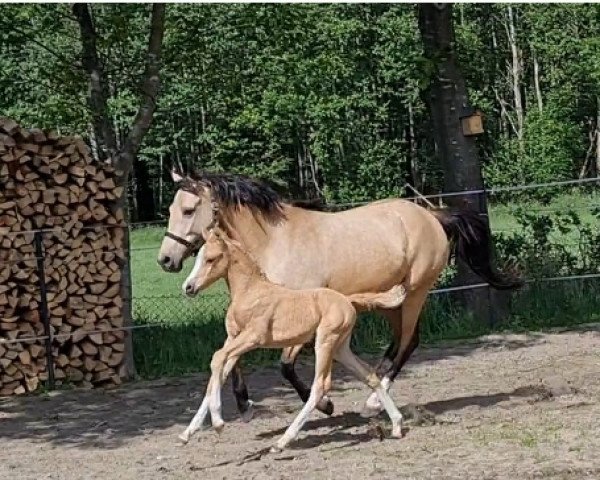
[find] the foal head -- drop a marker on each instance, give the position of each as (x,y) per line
(212,262)
(219,256)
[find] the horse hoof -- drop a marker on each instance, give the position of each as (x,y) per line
(184,437)
(219,426)
(326,406)
(397,432)
(276,449)
(248,414)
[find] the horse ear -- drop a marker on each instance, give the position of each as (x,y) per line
(176,176)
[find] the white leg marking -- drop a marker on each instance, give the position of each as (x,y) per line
(350,361)
(215,396)
(392,411)
(197,421)
(292,432)
(215,404)
(373,406)
(197,267)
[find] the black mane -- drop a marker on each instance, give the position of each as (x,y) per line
(235,190)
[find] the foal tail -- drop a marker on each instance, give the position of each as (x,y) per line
(470,240)
(393,298)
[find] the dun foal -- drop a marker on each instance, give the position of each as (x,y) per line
(263,314)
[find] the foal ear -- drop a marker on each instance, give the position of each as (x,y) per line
(218,232)
(176,176)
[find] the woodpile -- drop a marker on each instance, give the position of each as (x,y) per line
(51,182)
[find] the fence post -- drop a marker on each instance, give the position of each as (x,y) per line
(39,253)
(484,207)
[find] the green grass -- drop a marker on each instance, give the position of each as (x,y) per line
(188,331)
(502,216)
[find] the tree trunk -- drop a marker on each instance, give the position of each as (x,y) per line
(536,82)
(597,169)
(447,100)
(160,184)
(144,194)
(98,93)
(413,171)
(124,155)
(516,71)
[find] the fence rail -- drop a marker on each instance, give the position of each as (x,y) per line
(437,291)
(39,259)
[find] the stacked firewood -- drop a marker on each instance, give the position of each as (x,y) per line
(50,183)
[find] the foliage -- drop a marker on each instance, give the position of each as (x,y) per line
(548,245)
(325,99)
(547,155)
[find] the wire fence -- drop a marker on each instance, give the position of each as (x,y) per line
(159,305)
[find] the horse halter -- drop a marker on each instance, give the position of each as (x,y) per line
(192,248)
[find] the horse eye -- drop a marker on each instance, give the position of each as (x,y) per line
(188,212)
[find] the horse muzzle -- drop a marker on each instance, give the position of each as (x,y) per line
(168,264)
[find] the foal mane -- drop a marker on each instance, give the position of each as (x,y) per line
(236,190)
(232,245)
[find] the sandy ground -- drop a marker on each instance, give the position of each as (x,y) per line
(504,406)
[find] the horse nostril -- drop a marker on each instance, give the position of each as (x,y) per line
(189,289)
(166,260)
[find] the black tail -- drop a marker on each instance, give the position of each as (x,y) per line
(471,241)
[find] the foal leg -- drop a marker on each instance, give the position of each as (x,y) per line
(202,412)
(369,377)
(407,322)
(321,383)
(198,419)
(288,361)
(222,363)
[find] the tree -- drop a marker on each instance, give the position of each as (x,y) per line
(448,101)
(123,155)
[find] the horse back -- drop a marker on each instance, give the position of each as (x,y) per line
(369,248)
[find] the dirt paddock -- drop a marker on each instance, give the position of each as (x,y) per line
(504,406)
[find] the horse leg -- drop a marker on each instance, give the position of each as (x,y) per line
(240,392)
(406,337)
(394,318)
(288,361)
(373,406)
(366,375)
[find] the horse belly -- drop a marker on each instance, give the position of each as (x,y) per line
(374,272)
(362,265)
(371,257)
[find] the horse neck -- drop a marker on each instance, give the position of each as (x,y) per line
(249,228)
